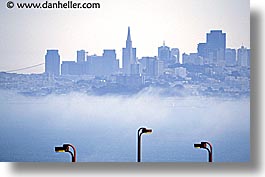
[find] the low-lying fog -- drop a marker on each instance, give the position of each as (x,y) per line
(103,128)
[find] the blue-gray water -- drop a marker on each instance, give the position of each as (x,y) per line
(103,128)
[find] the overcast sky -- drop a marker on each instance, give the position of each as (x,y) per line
(26,34)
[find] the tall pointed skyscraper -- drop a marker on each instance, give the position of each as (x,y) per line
(128,56)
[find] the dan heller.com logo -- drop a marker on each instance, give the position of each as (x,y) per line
(52,5)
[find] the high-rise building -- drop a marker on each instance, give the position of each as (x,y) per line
(52,62)
(159,67)
(213,51)
(104,65)
(243,56)
(111,64)
(109,54)
(151,66)
(202,50)
(148,66)
(72,68)
(216,45)
(164,53)
(96,65)
(174,55)
(216,39)
(128,55)
(81,56)
(186,59)
(249,56)
(230,57)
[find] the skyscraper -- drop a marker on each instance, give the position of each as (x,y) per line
(148,65)
(128,55)
(81,56)
(52,62)
(110,61)
(216,45)
(71,68)
(230,57)
(202,50)
(243,56)
(174,55)
(109,54)
(164,53)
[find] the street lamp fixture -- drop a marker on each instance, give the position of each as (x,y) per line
(66,148)
(208,147)
(141,131)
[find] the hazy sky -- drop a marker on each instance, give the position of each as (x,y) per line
(26,34)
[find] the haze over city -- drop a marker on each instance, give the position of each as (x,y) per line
(93,78)
(27,34)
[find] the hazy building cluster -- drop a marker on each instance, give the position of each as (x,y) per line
(211,53)
(213,70)
(108,63)
(214,52)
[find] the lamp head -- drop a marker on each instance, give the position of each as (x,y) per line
(64,148)
(148,131)
(197,145)
(202,145)
(60,149)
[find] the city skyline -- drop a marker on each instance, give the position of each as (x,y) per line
(211,53)
(87,30)
(130,54)
(177,69)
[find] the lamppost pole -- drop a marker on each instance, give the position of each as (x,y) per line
(139,135)
(210,151)
(139,145)
(203,145)
(66,148)
(73,155)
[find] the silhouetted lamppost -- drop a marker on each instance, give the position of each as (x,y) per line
(66,148)
(141,131)
(203,145)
